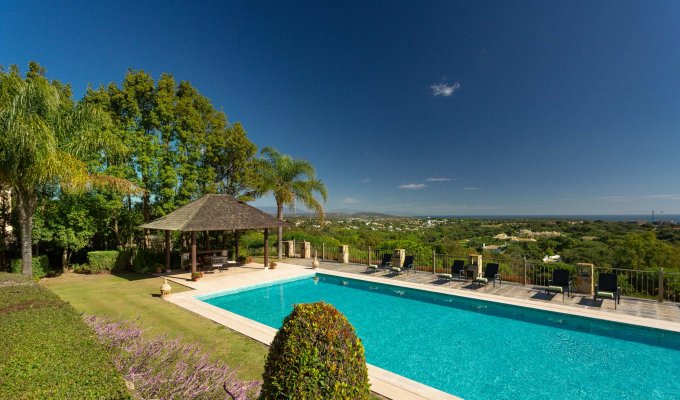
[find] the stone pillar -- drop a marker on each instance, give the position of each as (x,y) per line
(306,250)
(475,264)
(585,278)
(288,248)
(343,254)
(398,256)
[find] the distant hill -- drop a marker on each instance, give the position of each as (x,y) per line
(338,213)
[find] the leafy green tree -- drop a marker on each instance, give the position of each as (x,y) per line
(66,222)
(289,180)
(635,251)
(182,147)
(43,135)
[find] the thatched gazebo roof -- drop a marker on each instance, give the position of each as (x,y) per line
(215,212)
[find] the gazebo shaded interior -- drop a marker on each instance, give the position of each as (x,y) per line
(213,212)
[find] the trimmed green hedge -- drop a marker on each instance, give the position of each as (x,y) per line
(315,355)
(99,261)
(47,351)
(145,262)
(40,266)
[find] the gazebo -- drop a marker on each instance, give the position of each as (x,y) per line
(214,212)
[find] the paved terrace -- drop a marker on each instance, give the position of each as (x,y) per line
(666,311)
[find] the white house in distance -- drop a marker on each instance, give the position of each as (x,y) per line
(552,259)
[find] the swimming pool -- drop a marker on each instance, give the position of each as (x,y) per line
(481,350)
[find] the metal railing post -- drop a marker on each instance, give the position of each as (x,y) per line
(323,251)
(660,295)
(525,271)
(369,255)
(434,262)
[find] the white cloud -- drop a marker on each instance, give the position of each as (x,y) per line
(442,89)
(470,188)
(439,179)
(350,200)
(365,180)
(412,186)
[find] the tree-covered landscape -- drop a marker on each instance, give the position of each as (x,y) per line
(339,200)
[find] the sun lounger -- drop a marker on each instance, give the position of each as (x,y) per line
(490,273)
(608,288)
(408,265)
(457,271)
(560,283)
(386,263)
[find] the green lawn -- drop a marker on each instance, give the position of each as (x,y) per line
(132,296)
(47,351)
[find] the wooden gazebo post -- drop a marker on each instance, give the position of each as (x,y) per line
(167,250)
(236,235)
(266,247)
(193,251)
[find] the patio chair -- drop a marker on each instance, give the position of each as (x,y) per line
(386,263)
(490,273)
(457,271)
(408,265)
(217,263)
(560,283)
(608,288)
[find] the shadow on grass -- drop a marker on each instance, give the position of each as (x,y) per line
(132,276)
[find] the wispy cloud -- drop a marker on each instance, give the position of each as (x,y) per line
(442,89)
(439,179)
(350,200)
(470,188)
(615,198)
(667,196)
(365,180)
(664,196)
(412,186)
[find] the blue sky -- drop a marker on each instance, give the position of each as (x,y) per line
(428,108)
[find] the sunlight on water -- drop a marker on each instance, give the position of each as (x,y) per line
(482,350)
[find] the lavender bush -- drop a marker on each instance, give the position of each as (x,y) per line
(164,368)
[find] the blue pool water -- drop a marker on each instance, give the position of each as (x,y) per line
(482,350)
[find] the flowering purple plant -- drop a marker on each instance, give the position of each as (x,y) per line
(164,368)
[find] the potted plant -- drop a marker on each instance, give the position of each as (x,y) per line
(196,275)
(272,265)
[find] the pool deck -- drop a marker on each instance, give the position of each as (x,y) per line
(634,311)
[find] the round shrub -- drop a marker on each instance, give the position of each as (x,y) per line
(315,355)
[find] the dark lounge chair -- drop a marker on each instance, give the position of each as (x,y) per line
(457,271)
(490,273)
(386,263)
(560,283)
(408,265)
(608,288)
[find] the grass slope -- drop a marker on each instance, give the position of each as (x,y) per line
(132,296)
(47,351)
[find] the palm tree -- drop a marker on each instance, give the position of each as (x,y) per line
(44,137)
(289,180)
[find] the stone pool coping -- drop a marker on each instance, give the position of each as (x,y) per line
(383,382)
